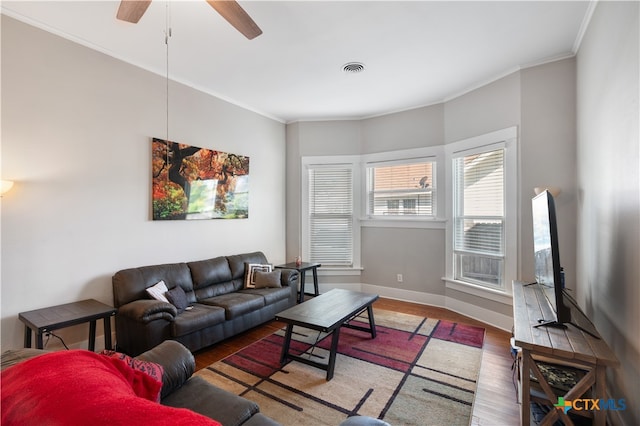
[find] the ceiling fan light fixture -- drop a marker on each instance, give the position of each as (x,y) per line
(353,67)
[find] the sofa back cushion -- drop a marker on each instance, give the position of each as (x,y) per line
(131,284)
(237,263)
(211,277)
(221,275)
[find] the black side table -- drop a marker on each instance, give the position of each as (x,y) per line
(47,319)
(302,269)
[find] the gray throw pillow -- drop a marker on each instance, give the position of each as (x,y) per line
(178,298)
(267,279)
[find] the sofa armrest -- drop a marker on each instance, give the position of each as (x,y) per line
(12,357)
(147,310)
(289,277)
(176,360)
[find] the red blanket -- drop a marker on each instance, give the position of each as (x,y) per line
(79,387)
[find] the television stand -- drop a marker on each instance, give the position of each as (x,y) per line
(556,324)
(565,345)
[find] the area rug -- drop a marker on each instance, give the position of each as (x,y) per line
(417,371)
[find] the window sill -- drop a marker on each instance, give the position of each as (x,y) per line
(334,270)
(500,296)
(403,222)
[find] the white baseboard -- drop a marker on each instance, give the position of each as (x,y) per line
(476,312)
(479,313)
(406,295)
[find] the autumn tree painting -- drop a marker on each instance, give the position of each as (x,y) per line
(198,183)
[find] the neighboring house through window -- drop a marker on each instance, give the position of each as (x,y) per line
(401,188)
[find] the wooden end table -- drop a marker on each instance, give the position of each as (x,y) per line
(55,317)
(302,269)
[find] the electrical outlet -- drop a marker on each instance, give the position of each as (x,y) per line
(399,278)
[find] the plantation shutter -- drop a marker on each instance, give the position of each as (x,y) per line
(331,215)
(479,222)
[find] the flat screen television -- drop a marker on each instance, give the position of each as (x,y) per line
(547,258)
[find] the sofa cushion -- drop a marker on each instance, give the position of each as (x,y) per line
(178,298)
(270,295)
(267,279)
(237,262)
(250,270)
(204,398)
(199,317)
(158,291)
(260,419)
(68,387)
(236,304)
(211,271)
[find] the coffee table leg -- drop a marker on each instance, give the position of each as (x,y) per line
(287,343)
(372,322)
(332,353)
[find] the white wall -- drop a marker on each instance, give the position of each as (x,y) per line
(76,129)
(608,262)
(489,108)
(548,157)
(415,128)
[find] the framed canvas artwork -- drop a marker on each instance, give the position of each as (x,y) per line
(197,183)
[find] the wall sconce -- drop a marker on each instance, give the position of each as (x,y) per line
(5,186)
(555,191)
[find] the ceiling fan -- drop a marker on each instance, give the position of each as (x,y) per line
(132,11)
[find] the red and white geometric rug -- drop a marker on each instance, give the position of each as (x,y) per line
(417,371)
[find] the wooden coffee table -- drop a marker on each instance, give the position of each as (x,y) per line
(327,313)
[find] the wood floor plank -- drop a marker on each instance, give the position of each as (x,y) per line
(495,402)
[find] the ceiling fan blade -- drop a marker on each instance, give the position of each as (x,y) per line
(236,16)
(132,10)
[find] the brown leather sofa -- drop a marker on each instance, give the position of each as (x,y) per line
(220,305)
(179,388)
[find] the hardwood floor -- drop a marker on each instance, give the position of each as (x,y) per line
(495,402)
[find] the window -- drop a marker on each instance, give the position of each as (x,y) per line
(482,231)
(479,217)
(401,188)
(330,214)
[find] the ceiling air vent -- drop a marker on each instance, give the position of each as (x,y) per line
(353,67)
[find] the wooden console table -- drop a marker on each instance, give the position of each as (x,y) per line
(55,317)
(564,346)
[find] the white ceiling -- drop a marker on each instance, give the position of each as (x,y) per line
(416,53)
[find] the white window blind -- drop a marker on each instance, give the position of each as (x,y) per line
(401,189)
(479,217)
(331,215)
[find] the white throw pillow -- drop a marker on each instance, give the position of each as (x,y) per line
(249,273)
(158,291)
